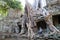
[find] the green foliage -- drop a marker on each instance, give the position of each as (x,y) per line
(14,4)
(6,4)
(3,9)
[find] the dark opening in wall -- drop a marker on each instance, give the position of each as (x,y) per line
(42,24)
(19,25)
(56,19)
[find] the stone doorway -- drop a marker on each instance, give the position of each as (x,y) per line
(56,20)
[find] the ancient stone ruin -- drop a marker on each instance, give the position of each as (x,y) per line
(13,22)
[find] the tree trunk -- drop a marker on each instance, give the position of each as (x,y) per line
(31,22)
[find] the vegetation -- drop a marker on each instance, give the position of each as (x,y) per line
(6,4)
(14,4)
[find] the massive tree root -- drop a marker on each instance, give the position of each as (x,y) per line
(51,26)
(47,20)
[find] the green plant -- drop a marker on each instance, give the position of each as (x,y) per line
(6,4)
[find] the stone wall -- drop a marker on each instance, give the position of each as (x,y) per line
(49,2)
(9,24)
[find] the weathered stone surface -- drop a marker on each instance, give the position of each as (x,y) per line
(9,24)
(50,2)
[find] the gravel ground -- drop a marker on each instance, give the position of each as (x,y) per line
(24,39)
(19,37)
